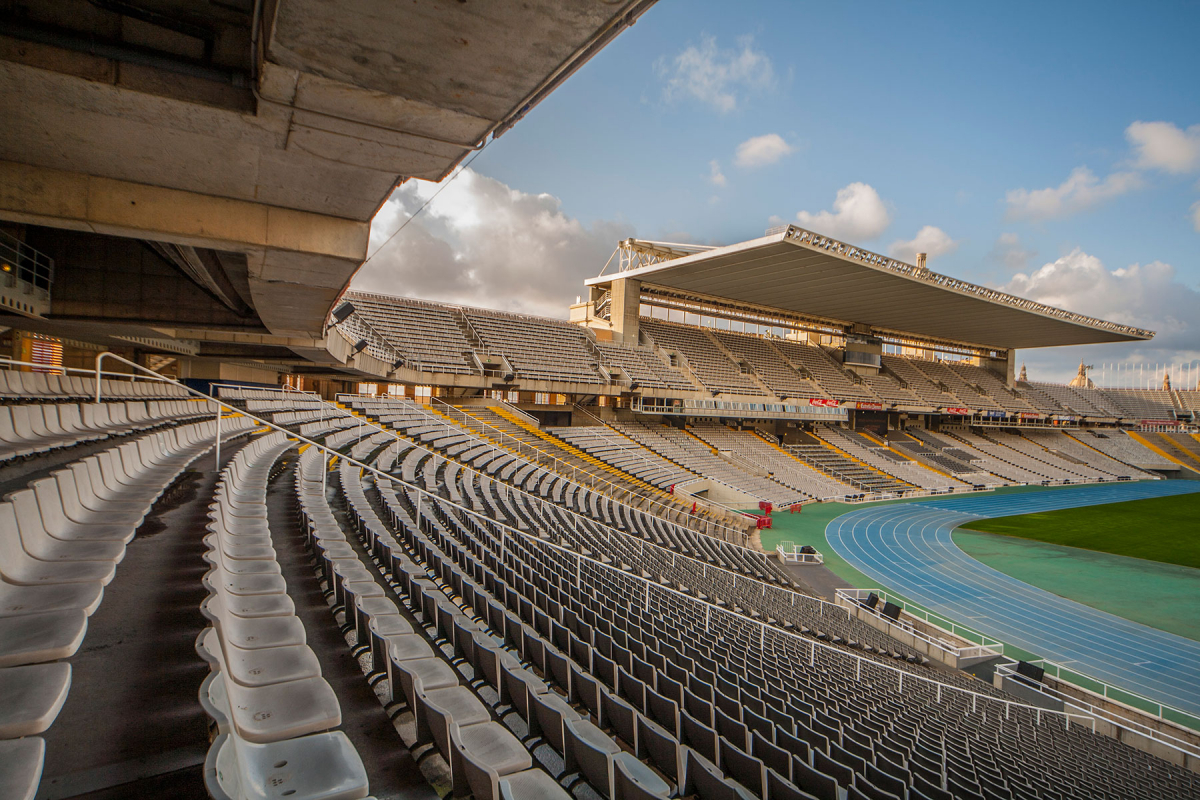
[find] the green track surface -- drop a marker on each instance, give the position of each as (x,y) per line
(1163,596)
(1160,529)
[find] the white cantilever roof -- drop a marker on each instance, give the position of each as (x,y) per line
(804,273)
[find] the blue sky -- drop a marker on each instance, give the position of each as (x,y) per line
(1007,135)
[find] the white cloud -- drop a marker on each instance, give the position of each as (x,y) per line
(857,214)
(1146,295)
(715,176)
(1196,216)
(759,151)
(1009,251)
(715,77)
(482,243)
(1080,191)
(1162,145)
(930,240)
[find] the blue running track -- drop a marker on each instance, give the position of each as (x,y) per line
(907,548)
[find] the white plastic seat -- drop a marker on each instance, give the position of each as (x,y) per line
(34,638)
(44,547)
(259,667)
(21,763)
(276,712)
(53,517)
(323,766)
(22,569)
(252,633)
(31,697)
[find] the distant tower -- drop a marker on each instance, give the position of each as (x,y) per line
(1166,381)
(1024,378)
(1082,380)
(921,262)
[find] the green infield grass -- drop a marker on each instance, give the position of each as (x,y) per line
(1165,529)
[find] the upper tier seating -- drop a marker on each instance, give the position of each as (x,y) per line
(1040,399)
(992,386)
(824,370)
(769,365)
(891,392)
(1150,404)
(1189,399)
(428,334)
(919,383)
(642,365)
(712,367)
(538,348)
(972,398)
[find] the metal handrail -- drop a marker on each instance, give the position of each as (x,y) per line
(1008,670)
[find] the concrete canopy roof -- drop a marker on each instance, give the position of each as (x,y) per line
(275,129)
(803,273)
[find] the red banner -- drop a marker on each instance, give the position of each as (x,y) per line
(962,412)
(861,406)
(1028,415)
(820,401)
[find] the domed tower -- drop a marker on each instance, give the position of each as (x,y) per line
(1082,381)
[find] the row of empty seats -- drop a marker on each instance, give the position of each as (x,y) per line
(713,368)
(696,456)
(438,338)
(750,448)
(879,456)
(613,447)
(272,710)
(538,348)
(61,541)
(35,428)
(779,715)
(16,384)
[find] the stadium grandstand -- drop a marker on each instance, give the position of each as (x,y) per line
(265,536)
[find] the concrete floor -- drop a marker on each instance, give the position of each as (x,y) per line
(132,725)
(393,773)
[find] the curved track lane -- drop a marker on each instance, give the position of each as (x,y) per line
(908,548)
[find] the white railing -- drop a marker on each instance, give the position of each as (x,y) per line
(1119,698)
(1115,694)
(789,553)
(981,645)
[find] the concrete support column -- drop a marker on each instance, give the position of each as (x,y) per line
(1005,365)
(626,298)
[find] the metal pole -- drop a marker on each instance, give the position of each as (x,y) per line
(218,448)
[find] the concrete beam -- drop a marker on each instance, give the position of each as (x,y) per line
(298,261)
